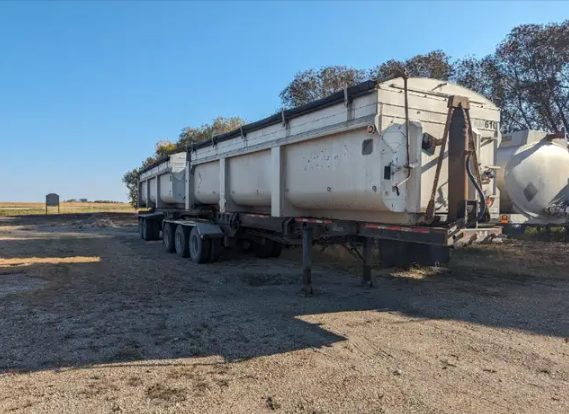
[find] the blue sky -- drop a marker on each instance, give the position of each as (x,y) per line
(87,88)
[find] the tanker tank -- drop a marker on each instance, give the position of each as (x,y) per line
(534,176)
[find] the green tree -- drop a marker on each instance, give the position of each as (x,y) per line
(130,179)
(311,84)
(527,76)
(165,147)
(220,125)
(436,64)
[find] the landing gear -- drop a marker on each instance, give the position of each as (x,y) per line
(368,247)
(307,238)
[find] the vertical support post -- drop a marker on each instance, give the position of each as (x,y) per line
(457,152)
(58,207)
(225,203)
(276,178)
(46,208)
(307,236)
(158,200)
(368,246)
(187,204)
(148,193)
(139,198)
(190,200)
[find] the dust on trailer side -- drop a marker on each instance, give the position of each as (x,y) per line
(202,203)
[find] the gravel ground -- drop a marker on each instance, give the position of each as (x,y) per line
(94,320)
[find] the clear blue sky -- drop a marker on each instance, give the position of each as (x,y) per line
(87,88)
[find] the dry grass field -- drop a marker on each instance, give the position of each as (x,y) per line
(19,209)
(95,320)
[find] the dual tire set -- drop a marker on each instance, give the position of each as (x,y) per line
(186,241)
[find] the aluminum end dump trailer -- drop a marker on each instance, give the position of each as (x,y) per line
(393,161)
(533,180)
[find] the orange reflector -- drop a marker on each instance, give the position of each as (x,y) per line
(504,219)
(370,129)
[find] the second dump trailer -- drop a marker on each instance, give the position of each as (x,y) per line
(410,162)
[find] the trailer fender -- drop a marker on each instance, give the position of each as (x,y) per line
(209,230)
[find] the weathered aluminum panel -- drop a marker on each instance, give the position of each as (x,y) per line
(207,183)
(171,175)
(248,179)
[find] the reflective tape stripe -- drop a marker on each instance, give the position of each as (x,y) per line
(423,230)
(303,220)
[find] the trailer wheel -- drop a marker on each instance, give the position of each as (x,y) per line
(215,250)
(168,237)
(244,245)
(199,248)
(265,251)
(277,249)
(181,241)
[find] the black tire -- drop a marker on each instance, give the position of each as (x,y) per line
(168,238)
(265,250)
(277,249)
(245,245)
(199,248)
(181,241)
(215,249)
(147,232)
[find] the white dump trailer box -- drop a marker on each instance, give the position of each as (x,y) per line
(347,158)
(167,178)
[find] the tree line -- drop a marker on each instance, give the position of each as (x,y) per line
(85,200)
(527,76)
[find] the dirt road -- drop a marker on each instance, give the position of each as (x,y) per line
(94,320)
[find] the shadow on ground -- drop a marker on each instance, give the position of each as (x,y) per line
(139,303)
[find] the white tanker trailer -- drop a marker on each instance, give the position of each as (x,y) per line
(380,160)
(533,179)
